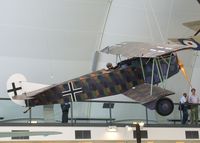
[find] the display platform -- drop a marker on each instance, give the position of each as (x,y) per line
(98,133)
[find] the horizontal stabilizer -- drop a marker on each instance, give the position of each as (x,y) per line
(22,97)
(194,25)
(142,93)
(30,95)
(190,43)
(19,89)
(30,86)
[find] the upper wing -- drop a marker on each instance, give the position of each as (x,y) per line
(194,25)
(141,49)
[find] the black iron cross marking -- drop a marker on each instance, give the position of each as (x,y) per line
(14,89)
(72,91)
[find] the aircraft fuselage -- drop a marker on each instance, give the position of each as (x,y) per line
(102,83)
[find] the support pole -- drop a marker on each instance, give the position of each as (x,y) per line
(110,112)
(138,133)
(30,115)
(152,75)
(168,66)
(142,68)
(71,112)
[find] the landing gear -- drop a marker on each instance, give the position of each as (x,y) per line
(164,106)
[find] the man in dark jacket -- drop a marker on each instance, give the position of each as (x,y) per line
(65,110)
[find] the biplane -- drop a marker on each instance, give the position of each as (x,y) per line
(146,65)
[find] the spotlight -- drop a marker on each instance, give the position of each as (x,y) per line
(129,128)
(112,128)
(32,122)
(141,124)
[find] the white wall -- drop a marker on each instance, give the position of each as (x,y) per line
(49,41)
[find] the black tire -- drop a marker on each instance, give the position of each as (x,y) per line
(164,106)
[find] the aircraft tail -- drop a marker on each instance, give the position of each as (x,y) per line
(193,42)
(190,43)
(14,87)
(17,85)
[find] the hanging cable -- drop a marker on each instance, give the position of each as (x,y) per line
(96,54)
(193,65)
(104,25)
(148,22)
(170,16)
(156,21)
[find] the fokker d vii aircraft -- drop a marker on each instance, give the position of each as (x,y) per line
(136,77)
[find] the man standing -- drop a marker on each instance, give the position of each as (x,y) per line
(184,108)
(194,100)
(65,110)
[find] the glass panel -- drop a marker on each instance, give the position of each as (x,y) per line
(88,112)
(14,113)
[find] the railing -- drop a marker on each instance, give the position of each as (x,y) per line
(123,112)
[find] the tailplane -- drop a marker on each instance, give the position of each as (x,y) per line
(190,43)
(17,85)
(193,42)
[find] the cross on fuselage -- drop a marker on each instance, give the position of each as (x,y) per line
(14,89)
(72,91)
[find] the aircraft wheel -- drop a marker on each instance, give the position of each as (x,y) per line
(164,106)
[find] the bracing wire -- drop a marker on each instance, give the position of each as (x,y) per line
(193,64)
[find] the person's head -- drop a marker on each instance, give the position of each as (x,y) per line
(66,100)
(193,90)
(109,65)
(185,94)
